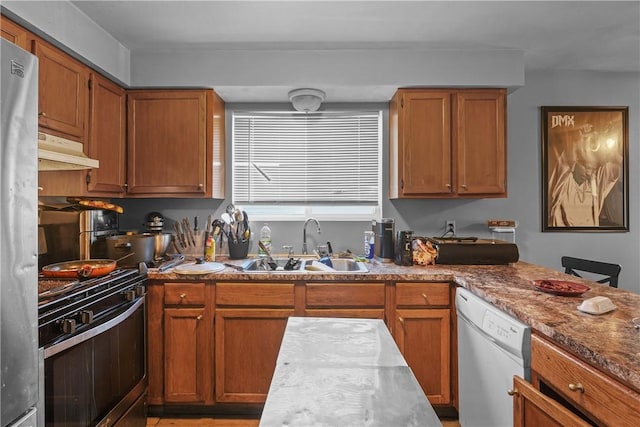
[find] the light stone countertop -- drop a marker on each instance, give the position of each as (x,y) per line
(609,342)
(343,372)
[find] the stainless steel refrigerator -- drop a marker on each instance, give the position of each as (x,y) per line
(18,237)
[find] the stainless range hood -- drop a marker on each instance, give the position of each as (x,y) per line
(59,154)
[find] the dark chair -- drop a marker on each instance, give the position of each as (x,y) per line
(611,271)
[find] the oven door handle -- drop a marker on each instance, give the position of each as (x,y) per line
(90,333)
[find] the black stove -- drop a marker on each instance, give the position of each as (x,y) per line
(68,306)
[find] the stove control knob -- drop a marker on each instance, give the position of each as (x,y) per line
(68,326)
(140,290)
(86,317)
(130,295)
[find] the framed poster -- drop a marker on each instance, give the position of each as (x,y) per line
(585,169)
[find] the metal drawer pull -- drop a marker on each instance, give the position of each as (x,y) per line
(426,298)
(401,320)
(513,392)
(199,317)
(576,387)
(183,295)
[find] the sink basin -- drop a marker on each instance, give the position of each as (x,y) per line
(338,265)
(260,264)
(306,265)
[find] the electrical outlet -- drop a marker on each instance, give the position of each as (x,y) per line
(450,227)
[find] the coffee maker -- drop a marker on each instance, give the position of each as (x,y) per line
(384,231)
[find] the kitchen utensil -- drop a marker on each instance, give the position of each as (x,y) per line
(245,226)
(228,220)
(80,268)
(176,228)
(235,267)
(161,242)
(188,232)
(270,260)
(143,245)
(195,225)
(174,261)
(230,209)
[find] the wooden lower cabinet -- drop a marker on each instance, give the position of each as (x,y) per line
(247,345)
(185,335)
(250,321)
(422,328)
(423,337)
(581,388)
(531,408)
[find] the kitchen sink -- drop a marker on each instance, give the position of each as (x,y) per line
(307,265)
(261,264)
(337,265)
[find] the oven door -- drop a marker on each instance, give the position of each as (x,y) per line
(93,378)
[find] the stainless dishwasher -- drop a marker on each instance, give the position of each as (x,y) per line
(492,348)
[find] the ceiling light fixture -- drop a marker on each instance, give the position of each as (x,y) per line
(306,100)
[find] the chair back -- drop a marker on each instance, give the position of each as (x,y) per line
(611,271)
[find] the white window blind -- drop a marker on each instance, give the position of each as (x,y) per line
(297,158)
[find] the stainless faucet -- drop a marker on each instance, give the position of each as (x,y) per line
(304,234)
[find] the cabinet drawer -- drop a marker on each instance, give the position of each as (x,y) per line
(184,293)
(255,294)
(345,295)
(583,386)
(422,294)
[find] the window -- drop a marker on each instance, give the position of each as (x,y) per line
(290,165)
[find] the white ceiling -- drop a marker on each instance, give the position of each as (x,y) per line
(569,35)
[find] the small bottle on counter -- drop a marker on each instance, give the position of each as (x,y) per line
(265,238)
(210,249)
(369,244)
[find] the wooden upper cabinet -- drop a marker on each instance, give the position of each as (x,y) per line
(107,140)
(171,143)
(63,99)
(447,143)
(14,32)
(481,143)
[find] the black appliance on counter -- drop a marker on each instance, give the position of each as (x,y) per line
(404,252)
(473,251)
(93,336)
(384,231)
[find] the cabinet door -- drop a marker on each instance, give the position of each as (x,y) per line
(185,343)
(423,337)
(168,143)
(533,409)
(424,126)
(247,345)
(107,136)
(480,142)
(63,85)
(13,32)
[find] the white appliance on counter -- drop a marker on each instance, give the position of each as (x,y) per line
(492,348)
(19,382)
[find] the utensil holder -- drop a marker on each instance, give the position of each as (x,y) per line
(238,250)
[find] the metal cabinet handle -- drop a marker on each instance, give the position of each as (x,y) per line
(199,317)
(183,295)
(401,320)
(42,114)
(513,392)
(426,298)
(448,185)
(464,186)
(576,387)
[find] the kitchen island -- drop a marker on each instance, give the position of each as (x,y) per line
(343,372)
